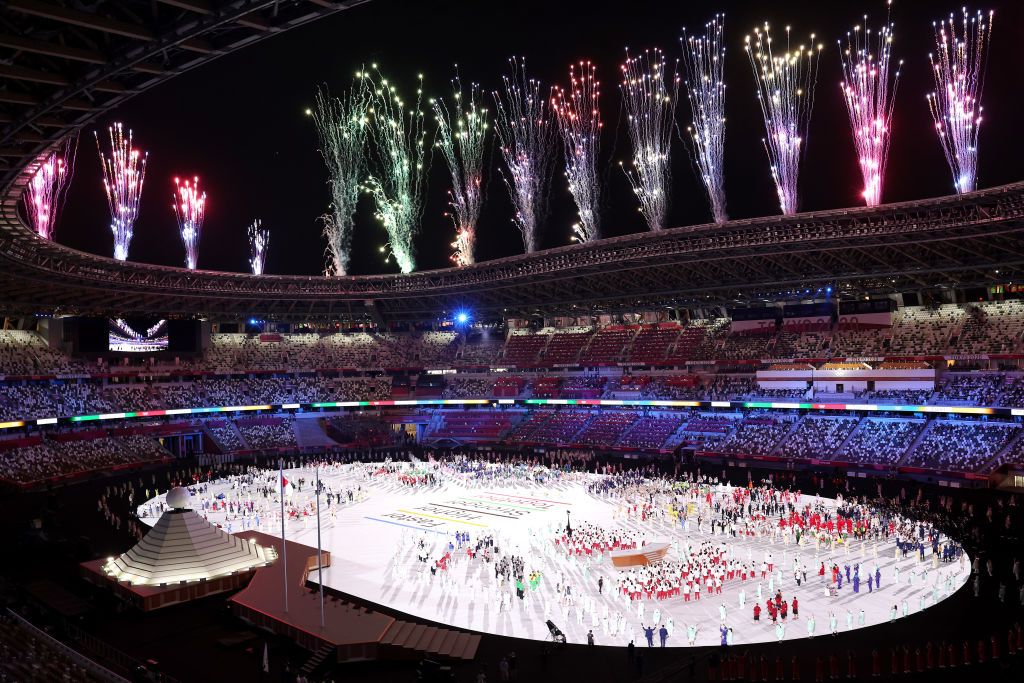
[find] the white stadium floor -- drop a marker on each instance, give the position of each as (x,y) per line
(373,543)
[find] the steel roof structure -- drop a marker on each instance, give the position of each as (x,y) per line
(62,64)
(70,65)
(955,241)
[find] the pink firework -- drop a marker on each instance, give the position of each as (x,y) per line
(44,194)
(190,210)
(579,123)
(869,90)
(527,135)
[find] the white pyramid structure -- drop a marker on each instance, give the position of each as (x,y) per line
(183,547)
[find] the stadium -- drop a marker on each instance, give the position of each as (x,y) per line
(285,428)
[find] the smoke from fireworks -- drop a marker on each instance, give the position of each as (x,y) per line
(579,123)
(959,71)
(785,92)
(704,62)
(124,172)
(869,90)
(341,125)
(462,143)
(398,179)
(190,210)
(527,134)
(44,194)
(259,240)
(650,94)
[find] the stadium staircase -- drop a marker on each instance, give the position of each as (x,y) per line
(229,424)
(581,431)
(917,442)
(995,459)
(405,639)
(436,422)
(317,659)
(309,433)
(839,449)
(241,437)
(208,438)
(777,449)
(677,436)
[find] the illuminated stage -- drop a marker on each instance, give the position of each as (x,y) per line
(374,540)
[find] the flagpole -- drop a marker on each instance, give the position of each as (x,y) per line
(284,545)
(319,556)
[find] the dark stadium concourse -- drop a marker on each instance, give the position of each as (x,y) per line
(512,377)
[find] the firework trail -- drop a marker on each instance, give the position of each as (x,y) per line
(124,172)
(650,94)
(462,137)
(579,123)
(259,240)
(704,63)
(959,71)
(341,125)
(527,134)
(399,148)
(190,210)
(45,193)
(41,195)
(869,90)
(785,92)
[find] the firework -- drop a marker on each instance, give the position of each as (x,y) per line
(399,150)
(579,123)
(124,172)
(650,94)
(190,210)
(462,143)
(259,240)
(527,134)
(44,195)
(869,90)
(341,125)
(959,71)
(785,92)
(704,62)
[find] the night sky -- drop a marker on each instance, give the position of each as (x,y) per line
(239,124)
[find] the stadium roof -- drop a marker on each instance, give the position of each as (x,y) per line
(69,65)
(65,63)
(957,241)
